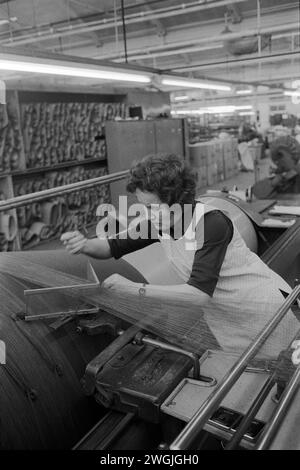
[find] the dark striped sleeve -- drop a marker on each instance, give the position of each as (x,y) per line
(218,232)
(120,246)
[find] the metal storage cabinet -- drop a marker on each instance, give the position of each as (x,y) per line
(169,135)
(128,141)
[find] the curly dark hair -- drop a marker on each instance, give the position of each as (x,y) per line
(166,175)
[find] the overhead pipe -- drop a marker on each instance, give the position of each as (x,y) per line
(20,201)
(124,31)
(208,64)
(172,52)
(134,18)
(192,430)
(235,62)
(167,47)
(216,38)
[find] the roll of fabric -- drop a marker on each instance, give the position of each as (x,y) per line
(36,212)
(38,231)
(3,243)
(6,160)
(21,213)
(62,214)
(28,211)
(14,160)
(8,226)
(52,179)
(50,212)
(19,190)
(23,232)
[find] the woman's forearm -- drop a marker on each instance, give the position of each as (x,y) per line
(97,248)
(181,292)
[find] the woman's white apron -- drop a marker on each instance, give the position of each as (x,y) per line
(247,294)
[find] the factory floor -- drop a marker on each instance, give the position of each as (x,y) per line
(242,180)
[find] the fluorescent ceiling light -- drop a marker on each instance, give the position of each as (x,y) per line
(244,92)
(182,83)
(187,111)
(220,109)
(291,93)
(213,110)
(246,113)
(71,71)
(246,106)
(227,109)
(181,98)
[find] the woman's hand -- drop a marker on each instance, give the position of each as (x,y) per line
(74,242)
(116,281)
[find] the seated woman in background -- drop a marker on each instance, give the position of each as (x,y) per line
(235,289)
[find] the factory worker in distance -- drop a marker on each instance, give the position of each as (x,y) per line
(236,290)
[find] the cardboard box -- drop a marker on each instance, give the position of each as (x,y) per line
(201,174)
(212,174)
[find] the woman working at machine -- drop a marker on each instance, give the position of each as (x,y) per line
(237,292)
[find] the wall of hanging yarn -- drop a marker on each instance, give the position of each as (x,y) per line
(42,137)
(9,235)
(48,219)
(11,143)
(62,132)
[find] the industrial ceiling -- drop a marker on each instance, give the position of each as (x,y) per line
(254,42)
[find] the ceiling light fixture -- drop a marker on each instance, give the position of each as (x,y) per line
(215,110)
(187,111)
(73,70)
(182,83)
(220,109)
(291,93)
(246,113)
(181,98)
(244,92)
(244,107)
(68,68)
(226,109)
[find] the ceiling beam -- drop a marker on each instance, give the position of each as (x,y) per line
(199,34)
(238,62)
(73,8)
(160,28)
(134,18)
(252,76)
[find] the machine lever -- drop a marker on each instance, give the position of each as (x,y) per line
(94,367)
(140,338)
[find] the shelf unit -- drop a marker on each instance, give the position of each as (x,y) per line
(34,128)
(58,166)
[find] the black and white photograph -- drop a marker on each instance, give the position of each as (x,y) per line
(149,230)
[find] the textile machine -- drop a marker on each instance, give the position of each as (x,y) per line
(77,377)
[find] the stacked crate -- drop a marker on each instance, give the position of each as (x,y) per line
(230,158)
(214,161)
(198,160)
